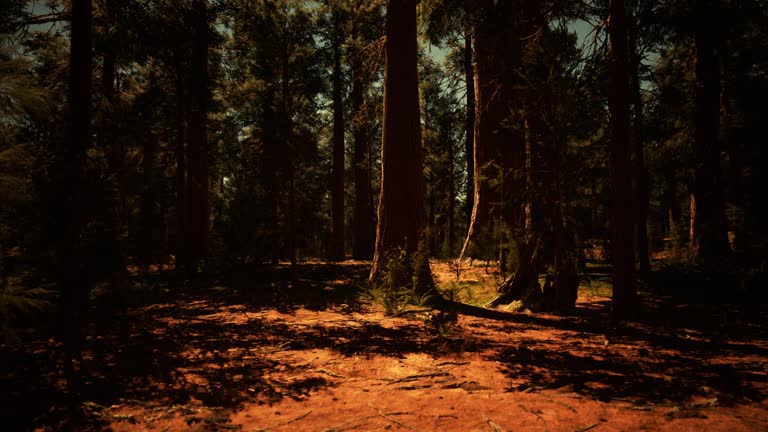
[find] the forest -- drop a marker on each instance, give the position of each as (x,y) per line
(347,215)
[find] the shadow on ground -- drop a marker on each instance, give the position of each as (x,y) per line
(211,343)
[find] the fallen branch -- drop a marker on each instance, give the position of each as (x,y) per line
(285,422)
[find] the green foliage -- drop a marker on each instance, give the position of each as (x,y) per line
(397,287)
(21,305)
(457,292)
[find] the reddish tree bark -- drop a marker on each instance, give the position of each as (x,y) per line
(401,203)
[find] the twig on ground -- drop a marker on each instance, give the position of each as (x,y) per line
(453,363)
(586,428)
(329,373)
(410,312)
(494,426)
(346,425)
(415,377)
(538,416)
(384,416)
(285,422)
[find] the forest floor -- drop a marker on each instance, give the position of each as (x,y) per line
(226,357)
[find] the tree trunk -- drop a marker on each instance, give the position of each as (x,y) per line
(147,222)
(710,240)
(71,155)
(672,207)
(364,231)
(451,200)
(624,289)
(497,149)
(272,189)
(642,195)
(292,224)
(523,285)
(401,202)
(198,203)
(181,170)
(337,196)
(469,77)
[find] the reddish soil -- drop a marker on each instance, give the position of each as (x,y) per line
(218,359)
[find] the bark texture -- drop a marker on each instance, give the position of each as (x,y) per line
(197,196)
(497,151)
(337,195)
(363,214)
(622,221)
(68,206)
(402,216)
(709,227)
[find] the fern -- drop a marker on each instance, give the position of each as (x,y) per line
(18,303)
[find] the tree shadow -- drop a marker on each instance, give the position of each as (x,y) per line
(213,343)
(317,286)
(669,354)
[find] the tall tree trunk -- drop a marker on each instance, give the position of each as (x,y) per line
(292,252)
(147,223)
(272,189)
(672,207)
(451,199)
(401,203)
(182,261)
(69,208)
(469,140)
(337,196)
(642,195)
(710,240)
(624,289)
(114,149)
(364,230)
(198,201)
(497,149)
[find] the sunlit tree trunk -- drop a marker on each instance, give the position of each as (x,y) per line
(401,203)
(622,221)
(709,228)
(337,195)
(469,77)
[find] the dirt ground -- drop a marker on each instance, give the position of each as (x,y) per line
(220,358)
